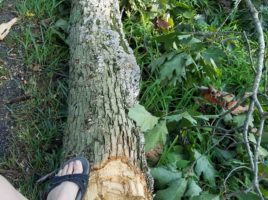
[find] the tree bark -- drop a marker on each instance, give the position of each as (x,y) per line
(104,83)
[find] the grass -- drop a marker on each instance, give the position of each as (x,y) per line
(37,141)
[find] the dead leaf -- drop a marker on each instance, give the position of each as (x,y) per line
(240,110)
(223,99)
(154,155)
(5,28)
(164,23)
(36,68)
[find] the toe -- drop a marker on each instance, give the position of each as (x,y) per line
(59,173)
(64,170)
(78,167)
(70,168)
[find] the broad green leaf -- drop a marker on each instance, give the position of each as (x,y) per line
(239,120)
(164,175)
(194,41)
(182,37)
(182,164)
(175,190)
(214,53)
(204,167)
(173,157)
(188,14)
(263,152)
(156,136)
(263,170)
(160,61)
(192,189)
(206,196)
(176,159)
(247,196)
(189,60)
(252,138)
(223,155)
(142,117)
(207,117)
(174,67)
(179,117)
(63,24)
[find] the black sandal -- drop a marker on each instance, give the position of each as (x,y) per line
(80,179)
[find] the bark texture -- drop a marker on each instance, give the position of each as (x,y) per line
(104,83)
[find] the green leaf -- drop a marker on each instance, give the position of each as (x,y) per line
(160,61)
(263,152)
(264,191)
(263,170)
(239,120)
(204,167)
(63,24)
(188,14)
(182,37)
(214,53)
(179,117)
(163,176)
(156,136)
(175,190)
(206,196)
(182,163)
(247,196)
(142,117)
(193,189)
(174,67)
(223,155)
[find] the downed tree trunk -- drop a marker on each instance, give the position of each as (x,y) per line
(104,83)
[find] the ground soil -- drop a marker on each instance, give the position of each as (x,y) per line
(12,64)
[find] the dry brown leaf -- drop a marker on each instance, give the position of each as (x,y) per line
(162,24)
(5,28)
(240,110)
(223,99)
(36,68)
(154,155)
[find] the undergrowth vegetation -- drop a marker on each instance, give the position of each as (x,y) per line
(187,57)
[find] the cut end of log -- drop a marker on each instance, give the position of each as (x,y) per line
(117,181)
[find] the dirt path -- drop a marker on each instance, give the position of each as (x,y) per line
(11,73)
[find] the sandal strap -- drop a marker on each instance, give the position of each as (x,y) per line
(80,179)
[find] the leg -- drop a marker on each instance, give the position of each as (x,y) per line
(7,191)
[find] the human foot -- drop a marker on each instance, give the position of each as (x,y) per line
(67,190)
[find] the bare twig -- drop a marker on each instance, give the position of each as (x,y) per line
(249,52)
(254,99)
(221,116)
(230,14)
(231,172)
(46,177)
(265,78)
